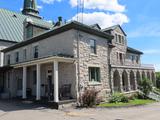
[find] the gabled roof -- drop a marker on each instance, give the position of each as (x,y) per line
(113,28)
(96,26)
(132,50)
(71,25)
(11,25)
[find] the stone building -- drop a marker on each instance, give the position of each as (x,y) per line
(59,61)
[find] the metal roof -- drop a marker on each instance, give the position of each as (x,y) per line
(11,25)
(132,50)
(114,27)
(56,30)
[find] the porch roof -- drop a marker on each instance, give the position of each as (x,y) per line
(44,60)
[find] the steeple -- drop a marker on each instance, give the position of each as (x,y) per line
(30,8)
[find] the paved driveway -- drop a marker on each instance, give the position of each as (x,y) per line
(19,111)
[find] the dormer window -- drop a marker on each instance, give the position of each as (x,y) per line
(29,32)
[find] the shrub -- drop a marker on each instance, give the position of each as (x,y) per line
(141,96)
(133,96)
(89,98)
(118,97)
(146,86)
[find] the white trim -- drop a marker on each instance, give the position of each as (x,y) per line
(56,92)
(38,85)
(132,67)
(24,82)
(94,65)
(44,60)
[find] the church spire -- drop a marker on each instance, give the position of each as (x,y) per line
(30,8)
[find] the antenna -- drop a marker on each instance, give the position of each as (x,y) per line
(80,10)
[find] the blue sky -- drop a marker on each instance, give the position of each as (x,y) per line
(140,19)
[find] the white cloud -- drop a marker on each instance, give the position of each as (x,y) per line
(157,67)
(103,19)
(40,7)
(110,5)
(50,1)
(147,30)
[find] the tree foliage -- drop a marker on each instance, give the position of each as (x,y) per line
(158,79)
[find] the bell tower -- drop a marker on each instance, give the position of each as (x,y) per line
(30,8)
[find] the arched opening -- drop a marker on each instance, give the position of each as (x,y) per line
(138,78)
(132,81)
(125,81)
(116,81)
(143,75)
(148,75)
(153,78)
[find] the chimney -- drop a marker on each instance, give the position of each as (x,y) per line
(59,22)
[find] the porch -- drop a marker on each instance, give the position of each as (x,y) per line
(52,79)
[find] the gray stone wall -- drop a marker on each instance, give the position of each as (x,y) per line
(88,59)
(58,44)
(148,73)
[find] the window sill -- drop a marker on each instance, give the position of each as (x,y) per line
(94,83)
(93,55)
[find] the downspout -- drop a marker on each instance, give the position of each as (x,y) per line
(78,69)
(109,66)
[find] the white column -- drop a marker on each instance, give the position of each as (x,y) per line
(38,90)
(24,82)
(55,65)
(2,59)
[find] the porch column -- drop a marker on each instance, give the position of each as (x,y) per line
(56,97)
(121,83)
(24,82)
(38,89)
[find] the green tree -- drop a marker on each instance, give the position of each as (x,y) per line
(146,86)
(158,79)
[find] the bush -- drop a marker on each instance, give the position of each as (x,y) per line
(118,97)
(141,96)
(89,98)
(146,86)
(133,96)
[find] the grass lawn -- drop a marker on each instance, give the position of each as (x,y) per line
(130,103)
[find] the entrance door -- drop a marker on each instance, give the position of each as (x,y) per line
(50,85)
(50,88)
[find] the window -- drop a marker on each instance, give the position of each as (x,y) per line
(94,74)
(137,59)
(35,52)
(122,40)
(133,57)
(121,57)
(29,31)
(17,57)
(119,36)
(24,54)
(93,46)
(116,37)
(117,55)
(8,59)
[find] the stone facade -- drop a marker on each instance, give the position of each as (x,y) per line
(88,59)
(114,70)
(126,67)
